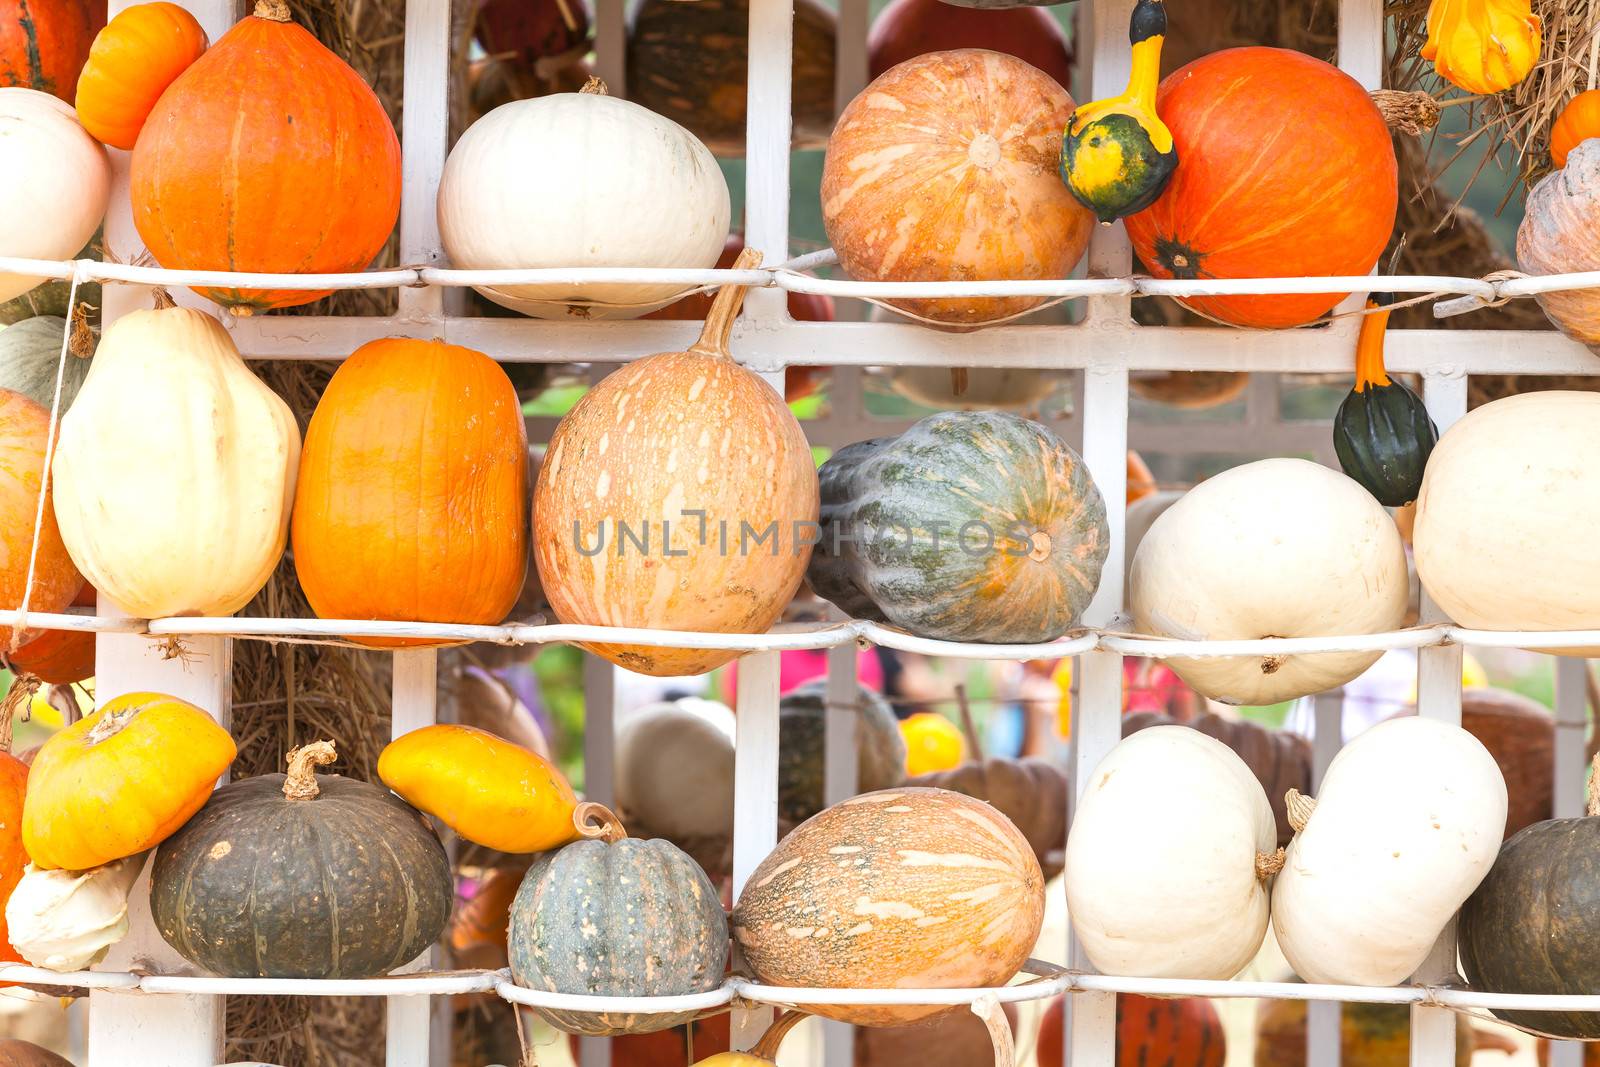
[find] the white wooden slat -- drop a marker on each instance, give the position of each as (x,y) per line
(837,1048)
(769,128)
(755,790)
(1570,772)
(610,45)
(599,782)
(1323,1016)
(408,1033)
(424,142)
(1110,253)
(850,74)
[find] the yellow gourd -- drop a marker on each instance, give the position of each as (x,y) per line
(933,743)
(487,789)
(1118,156)
(1483,46)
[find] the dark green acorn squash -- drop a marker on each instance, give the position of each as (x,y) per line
(970,526)
(613,916)
(302,876)
(1382,434)
(1533,924)
(802,729)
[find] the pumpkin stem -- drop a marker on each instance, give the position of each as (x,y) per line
(967,727)
(987,1008)
(301,782)
(163,299)
(597,822)
(1594,784)
(724,309)
(595,87)
(1270,863)
(23,686)
(1407,112)
(767,1047)
(272,10)
(81,343)
(1300,808)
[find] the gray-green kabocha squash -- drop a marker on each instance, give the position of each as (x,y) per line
(970,526)
(802,728)
(302,876)
(614,916)
(29,352)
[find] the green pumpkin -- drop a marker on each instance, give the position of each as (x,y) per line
(29,353)
(1532,925)
(970,526)
(1117,156)
(1382,434)
(802,731)
(302,876)
(613,916)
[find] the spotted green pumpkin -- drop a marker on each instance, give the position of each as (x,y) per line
(970,526)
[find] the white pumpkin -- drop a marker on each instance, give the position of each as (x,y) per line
(581,180)
(55,182)
(175,469)
(675,770)
(66,920)
(1278,548)
(1408,821)
(1508,508)
(1161,866)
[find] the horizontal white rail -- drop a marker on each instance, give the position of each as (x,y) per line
(809,636)
(787,276)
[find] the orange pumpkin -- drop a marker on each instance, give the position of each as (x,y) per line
(413,477)
(1285,170)
(24,425)
(43,43)
(268,154)
(972,191)
(1578,121)
(133,60)
(1141,482)
(13,857)
(60,657)
(1151,1032)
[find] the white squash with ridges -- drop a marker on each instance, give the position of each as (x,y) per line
(55,182)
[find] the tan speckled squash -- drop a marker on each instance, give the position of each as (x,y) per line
(676,495)
(905,888)
(1560,234)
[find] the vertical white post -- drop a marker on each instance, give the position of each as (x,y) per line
(755,792)
(1433,1030)
(180,1030)
(611,45)
(850,68)
(1568,780)
(414,704)
(1323,1016)
(599,783)
(768,130)
(839,783)
(1110,254)
(424,141)
(1091,1018)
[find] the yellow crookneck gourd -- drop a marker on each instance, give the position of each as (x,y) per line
(1483,46)
(1118,156)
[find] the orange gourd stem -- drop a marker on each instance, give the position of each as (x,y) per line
(767,1047)
(1369,348)
(718,329)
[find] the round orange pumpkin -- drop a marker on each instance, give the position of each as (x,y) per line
(1171,1033)
(59,657)
(410,500)
(132,61)
(945,169)
(1578,121)
(13,857)
(24,426)
(1285,170)
(43,43)
(269,154)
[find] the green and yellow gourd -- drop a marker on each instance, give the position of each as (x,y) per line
(1382,434)
(1118,156)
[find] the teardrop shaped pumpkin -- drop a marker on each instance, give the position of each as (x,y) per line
(1285,170)
(269,154)
(412,495)
(676,495)
(133,60)
(24,425)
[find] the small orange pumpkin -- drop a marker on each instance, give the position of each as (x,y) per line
(1578,121)
(24,425)
(269,154)
(1141,483)
(60,657)
(413,477)
(120,781)
(13,857)
(132,61)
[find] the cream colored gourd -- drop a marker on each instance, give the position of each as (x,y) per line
(1407,822)
(1560,234)
(175,469)
(675,770)
(1164,867)
(66,920)
(1278,548)
(54,182)
(581,180)
(1507,514)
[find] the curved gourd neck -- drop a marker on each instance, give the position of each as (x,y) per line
(1369,347)
(1147,32)
(767,1047)
(718,330)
